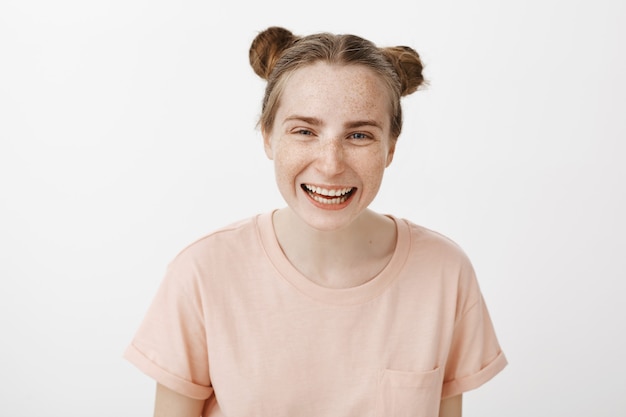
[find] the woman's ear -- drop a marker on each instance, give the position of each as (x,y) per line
(390,152)
(267,143)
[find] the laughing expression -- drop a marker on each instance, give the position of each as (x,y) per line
(331,142)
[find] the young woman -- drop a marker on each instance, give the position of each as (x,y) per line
(323,308)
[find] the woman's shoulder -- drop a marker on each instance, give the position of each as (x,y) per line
(423,238)
(233,237)
(442,257)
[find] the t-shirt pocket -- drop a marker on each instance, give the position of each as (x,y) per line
(404,394)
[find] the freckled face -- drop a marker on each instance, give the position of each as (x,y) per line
(331,142)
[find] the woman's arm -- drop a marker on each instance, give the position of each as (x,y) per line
(451,407)
(169,403)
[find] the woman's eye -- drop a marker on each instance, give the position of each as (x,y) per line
(359,135)
(303,132)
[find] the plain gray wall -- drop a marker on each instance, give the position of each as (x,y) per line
(127,130)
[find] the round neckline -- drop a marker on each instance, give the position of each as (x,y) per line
(338,296)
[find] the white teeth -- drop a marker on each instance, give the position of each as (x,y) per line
(323,200)
(324,196)
(328,193)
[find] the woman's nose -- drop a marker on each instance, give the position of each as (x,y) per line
(330,158)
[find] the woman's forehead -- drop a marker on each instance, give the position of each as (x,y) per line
(335,88)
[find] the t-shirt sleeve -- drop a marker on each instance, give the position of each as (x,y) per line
(170,345)
(475,355)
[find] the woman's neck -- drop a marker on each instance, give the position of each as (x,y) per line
(341,258)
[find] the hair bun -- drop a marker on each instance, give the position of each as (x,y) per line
(267,48)
(408,65)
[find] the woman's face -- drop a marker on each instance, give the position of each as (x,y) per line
(331,142)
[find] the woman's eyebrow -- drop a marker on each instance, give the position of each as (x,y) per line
(314,121)
(309,120)
(361,123)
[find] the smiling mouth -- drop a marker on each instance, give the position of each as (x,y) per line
(324,196)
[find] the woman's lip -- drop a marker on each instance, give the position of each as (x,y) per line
(329,202)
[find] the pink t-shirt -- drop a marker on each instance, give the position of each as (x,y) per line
(234,322)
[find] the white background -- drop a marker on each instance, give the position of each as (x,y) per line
(127,130)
